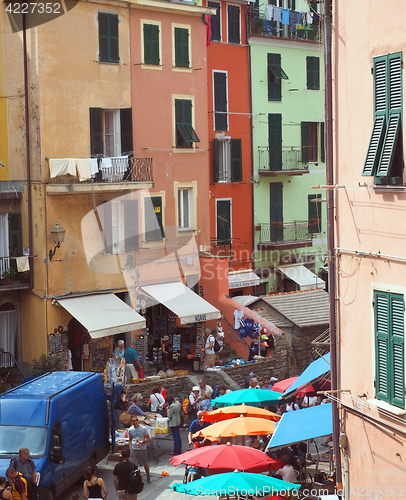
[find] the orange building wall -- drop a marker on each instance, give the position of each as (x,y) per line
(233,58)
(152,102)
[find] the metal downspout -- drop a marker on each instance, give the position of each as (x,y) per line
(27,146)
(330,231)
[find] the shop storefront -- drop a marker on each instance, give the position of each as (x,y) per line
(175,323)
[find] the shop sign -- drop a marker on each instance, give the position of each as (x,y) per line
(243,284)
(200,317)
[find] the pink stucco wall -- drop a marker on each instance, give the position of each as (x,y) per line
(368,220)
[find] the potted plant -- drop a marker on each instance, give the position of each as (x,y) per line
(9,275)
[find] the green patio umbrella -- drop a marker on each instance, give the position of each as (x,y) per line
(251,397)
(231,483)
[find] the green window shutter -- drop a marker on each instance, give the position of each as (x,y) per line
(131,231)
(126,130)
(375,146)
(382,345)
(108,227)
(181,48)
(185,133)
(275,141)
(151,44)
(313,73)
(397,310)
(395,82)
(216,160)
(96,139)
(274,77)
(15,241)
(236,160)
(322,141)
(103,37)
(223,221)
(113,26)
(389,145)
(220,100)
(215,22)
(314,212)
(305,141)
(154,230)
(380,91)
(233,23)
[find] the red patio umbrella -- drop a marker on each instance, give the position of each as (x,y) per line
(227,458)
(318,385)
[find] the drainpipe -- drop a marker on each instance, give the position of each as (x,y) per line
(27,147)
(330,232)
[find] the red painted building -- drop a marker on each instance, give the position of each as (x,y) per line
(230,150)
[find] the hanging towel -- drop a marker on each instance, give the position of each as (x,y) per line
(62,166)
(309,17)
(277,14)
(269,12)
(285,16)
(83,169)
(299,18)
(106,168)
(292,21)
(94,166)
(22,264)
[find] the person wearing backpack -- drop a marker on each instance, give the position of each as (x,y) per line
(18,484)
(122,474)
(209,349)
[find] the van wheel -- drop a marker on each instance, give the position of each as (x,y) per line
(46,493)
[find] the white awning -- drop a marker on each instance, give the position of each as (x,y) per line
(103,314)
(241,279)
(302,276)
(187,305)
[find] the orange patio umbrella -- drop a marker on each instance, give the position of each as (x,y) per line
(240,426)
(228,412)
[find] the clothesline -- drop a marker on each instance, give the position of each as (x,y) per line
(290,17)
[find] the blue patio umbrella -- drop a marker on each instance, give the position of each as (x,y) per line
(251,397)
(231,483)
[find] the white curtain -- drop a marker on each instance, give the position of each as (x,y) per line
(3,242)
(8,330)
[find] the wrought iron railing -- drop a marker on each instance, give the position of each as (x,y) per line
(221,247)
(259,25)
(9,274)
(281,232)
(280,159)
(10,371)
(115,170)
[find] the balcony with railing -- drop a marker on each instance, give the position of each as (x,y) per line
(283,160)
(221,248)
(10,277)
(104,174)
(285,234)
(259,25)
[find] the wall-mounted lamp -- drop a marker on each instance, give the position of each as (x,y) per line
(58,235)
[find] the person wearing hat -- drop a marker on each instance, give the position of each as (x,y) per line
(247,380)
(132,363)
(165,349)
(194,400)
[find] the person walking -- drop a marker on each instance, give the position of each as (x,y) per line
(93,486)
(138,438)
(24,465)
(174,410)
(121,473)
(209,349)
(18,484)
(132,362)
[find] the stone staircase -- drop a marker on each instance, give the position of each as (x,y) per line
(226,354)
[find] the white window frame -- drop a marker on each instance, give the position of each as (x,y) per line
(239,10)
(231,215)
(191,187)
(115,114)
(224,174)
(182,224)
(214,100)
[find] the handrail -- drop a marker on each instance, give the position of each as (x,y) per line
(238,337)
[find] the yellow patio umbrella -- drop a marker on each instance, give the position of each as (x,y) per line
(239,426)
(228,412)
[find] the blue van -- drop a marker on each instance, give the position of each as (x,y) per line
(62,419)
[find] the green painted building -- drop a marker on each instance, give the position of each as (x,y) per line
(287,73)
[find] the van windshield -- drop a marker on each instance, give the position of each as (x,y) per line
(14,437)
